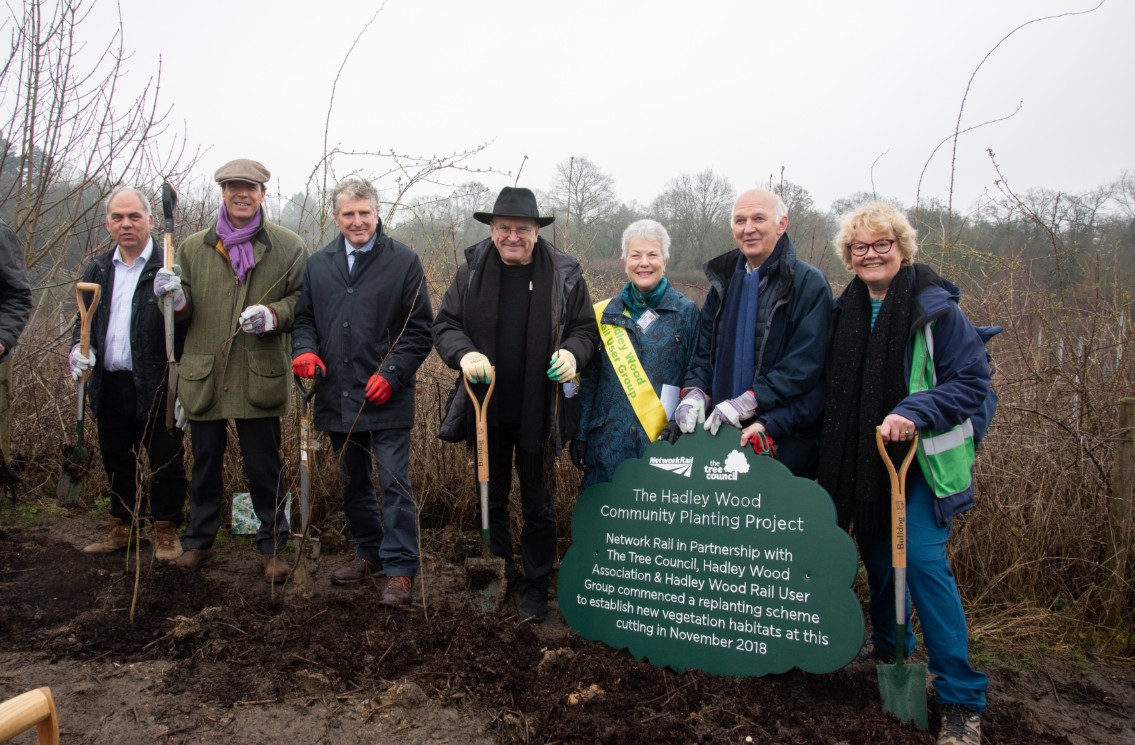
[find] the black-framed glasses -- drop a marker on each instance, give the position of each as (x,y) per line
(881,247)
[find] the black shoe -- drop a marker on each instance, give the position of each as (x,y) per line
(532,603)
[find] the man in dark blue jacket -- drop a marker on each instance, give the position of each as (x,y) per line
(363,318)
(15,292)
(129,373)
(763,337)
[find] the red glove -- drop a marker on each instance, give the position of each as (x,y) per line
(378,390)
(304,365)
(763,444)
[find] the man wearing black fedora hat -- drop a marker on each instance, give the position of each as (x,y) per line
(521,307)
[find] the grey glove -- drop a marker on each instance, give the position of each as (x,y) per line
(691,409)
(732,411)
(180,418)
(80,365)
(168,282)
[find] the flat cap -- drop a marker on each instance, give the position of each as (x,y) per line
(242,169)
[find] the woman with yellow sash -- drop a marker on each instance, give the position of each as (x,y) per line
(648,333)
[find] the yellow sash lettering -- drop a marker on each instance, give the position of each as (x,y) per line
(647,407)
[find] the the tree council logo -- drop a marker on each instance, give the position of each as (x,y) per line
(683,466)
(735,464)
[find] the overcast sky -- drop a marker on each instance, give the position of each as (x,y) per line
(649,90)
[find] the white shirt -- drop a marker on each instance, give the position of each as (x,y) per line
(116,348)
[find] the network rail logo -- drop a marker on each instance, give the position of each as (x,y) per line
(682,466)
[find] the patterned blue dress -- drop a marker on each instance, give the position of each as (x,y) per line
(607,422)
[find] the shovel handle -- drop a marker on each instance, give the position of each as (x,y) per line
(306,393)
(480,417)
(169,206)
(898,497)
(85,313)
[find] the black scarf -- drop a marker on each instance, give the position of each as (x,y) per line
(481,324)
(866,379)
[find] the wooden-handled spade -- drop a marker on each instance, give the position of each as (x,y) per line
(485,575)
(76,457)
(902,685)
(169,204)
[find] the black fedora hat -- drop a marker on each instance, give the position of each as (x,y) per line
(514,202)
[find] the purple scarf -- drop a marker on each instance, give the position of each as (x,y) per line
(238,242)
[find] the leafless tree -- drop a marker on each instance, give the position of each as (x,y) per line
(695,209)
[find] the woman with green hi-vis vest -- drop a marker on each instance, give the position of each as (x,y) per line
(904,358)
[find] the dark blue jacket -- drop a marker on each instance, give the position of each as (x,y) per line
(15,292)
(147,335)
(376,320)
(791,350)
(607,420)
(960,362)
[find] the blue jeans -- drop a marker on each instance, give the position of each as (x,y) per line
(389,534)
(931,586)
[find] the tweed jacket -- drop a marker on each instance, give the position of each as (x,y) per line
(226,373)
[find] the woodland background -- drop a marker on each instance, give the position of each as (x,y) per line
(1046,557)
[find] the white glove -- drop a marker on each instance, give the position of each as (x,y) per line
(562,366)
(180,418)
(257,319)
(168,282)
(475,366)
(732,411)
(80,365)
(691,410)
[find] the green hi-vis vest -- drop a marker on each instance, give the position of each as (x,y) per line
(946,456)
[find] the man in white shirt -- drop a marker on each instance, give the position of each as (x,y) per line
(127,389)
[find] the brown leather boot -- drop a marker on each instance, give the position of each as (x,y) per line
(195,557)
(276,568)
(399,591)
(355,570)
(167,546)
(117,538)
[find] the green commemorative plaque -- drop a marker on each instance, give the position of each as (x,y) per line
(703,555)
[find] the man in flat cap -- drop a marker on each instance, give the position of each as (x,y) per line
(363,320)
(235,289)
(521,306)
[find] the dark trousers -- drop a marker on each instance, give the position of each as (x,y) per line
(260,447)
(122,437)
(389,534)
(538,533)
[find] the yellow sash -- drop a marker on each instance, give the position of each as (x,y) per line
(624,360)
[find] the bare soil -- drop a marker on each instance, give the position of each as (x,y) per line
(139,652)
